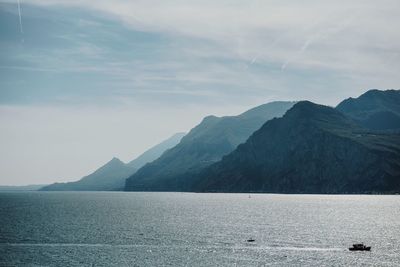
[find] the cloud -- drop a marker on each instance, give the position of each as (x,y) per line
(226,49)
(245,29)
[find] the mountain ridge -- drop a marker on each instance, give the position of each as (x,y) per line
(109,177)
(288,155)
(112,175)
(205,144)
(374,109)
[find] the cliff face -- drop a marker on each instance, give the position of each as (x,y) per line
(312,149)
(205,144)
(375,109)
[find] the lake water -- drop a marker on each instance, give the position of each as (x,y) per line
(184,229)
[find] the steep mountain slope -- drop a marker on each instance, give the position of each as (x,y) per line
(311,149)
(375,109)
(109,177)
(205,144)
(112,175)
(156,151)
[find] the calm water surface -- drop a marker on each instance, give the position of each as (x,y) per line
(183,229)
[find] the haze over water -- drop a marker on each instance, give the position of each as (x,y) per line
(185,229)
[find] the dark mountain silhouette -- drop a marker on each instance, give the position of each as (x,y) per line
(205,144)
(311,149)
(375,109)
(113,174)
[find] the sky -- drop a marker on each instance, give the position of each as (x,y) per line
(81,83)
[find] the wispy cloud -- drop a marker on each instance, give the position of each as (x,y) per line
(349,40)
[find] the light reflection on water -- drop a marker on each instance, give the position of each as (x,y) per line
(178,229)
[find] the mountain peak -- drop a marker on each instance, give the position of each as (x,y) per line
(375,109)
(371,94)
(321,116)
(272,107)
(307,109)
(306,105)
(210,118)
(205,144)
(115,160)
(156,151)
(377,92)
(311,149)
(112,175)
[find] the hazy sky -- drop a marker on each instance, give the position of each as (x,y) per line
(83,82)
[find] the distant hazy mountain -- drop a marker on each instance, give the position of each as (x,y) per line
(375,109)
(32,187)
(156,151)
(113,174)
(109,177)
(311,149)
(205,144)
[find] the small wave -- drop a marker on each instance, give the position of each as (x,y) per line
(72,245)
(255,247)
(167,245)
(309,248)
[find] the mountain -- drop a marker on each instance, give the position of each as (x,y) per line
(375,109)
(33,187)
(311,149)
(109,177)
(205,144)
(113,174)
(156,151)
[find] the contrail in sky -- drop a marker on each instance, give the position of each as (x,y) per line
(320,35)
(20,18)
(301,51)
(271,45)
(305,45)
